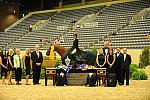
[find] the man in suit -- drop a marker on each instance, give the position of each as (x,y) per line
(119,56)
(18,65)
(106,47)
(37,60)
(106,53)
(125,68)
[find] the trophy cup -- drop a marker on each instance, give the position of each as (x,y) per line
(67,61)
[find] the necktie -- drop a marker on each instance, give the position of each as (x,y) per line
(124,57)
(20,61)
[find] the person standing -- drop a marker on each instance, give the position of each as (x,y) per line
(111,62)
(101,59)
(106,47)
(3,63)
(119,56)
(27,65)
(106,52)
(30,28)
(18,65)
(111,69)
(37,60)
(125,68)
(101,62)
(10,65)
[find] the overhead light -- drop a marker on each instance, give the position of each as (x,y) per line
(23,15)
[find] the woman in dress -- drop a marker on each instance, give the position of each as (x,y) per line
(111,58)
(10,65)
(101,59)
(3,63)
(27,65)
(101,62)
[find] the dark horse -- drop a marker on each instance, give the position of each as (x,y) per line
(84,57)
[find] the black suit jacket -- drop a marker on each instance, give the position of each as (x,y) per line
(118,58)
(104,51)
(75,44)
(36,59)
(127,62)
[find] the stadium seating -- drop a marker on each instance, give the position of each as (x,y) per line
(109,18)
(112,18)
(58,19)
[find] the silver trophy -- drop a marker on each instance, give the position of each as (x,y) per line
(67,61)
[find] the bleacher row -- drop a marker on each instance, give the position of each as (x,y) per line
(109,19)
(21,29)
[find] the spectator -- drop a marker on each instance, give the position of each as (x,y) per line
(30,28)
(37,60)
(78,26)
(119,56)
(3,63)
(125,68)
(111,58)
(10,65)
(27,65)
(61,39)
(18,64)
(106,47)
(101,59)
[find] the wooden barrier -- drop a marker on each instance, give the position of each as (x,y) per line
(101,73)
(52,72)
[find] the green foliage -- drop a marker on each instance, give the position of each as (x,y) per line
(23,75)
(133,68)
(135,74)
(57,62)
(42,75)
(139,75)
(94,50)
(145,57)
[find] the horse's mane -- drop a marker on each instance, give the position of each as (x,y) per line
(61,50)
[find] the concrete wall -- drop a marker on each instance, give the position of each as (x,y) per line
(9,14)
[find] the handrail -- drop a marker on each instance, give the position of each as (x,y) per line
(143,14)
(74,26)
(85,6)
(30,32)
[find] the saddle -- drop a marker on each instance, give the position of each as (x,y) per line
(80,57)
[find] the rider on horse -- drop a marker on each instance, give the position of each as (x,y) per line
(75,47)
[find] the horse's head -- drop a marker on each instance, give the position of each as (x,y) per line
(59,49)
